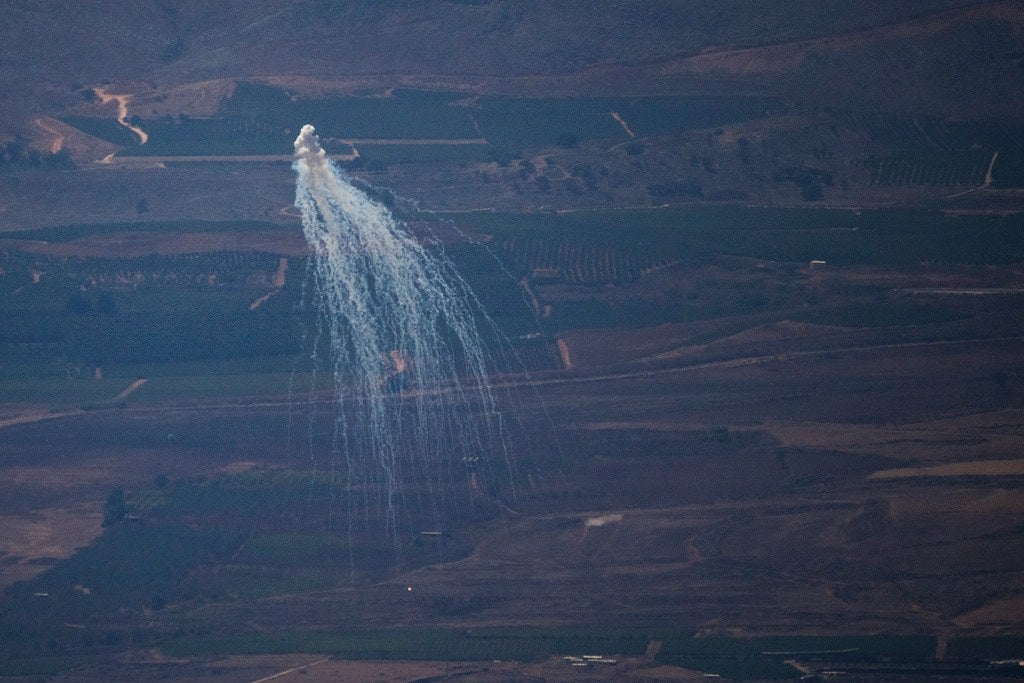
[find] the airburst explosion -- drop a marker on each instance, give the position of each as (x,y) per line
(415,410)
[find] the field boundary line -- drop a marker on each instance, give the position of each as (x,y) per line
(291,671)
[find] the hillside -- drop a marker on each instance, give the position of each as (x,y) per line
(933,56)
(749,282)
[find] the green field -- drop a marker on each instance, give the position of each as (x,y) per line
(838,236)
(764,657)
(371,154)
(70,232)
(124,569)
(990,648)
(149,316)
(260,119)
(106,128)
(513,644)
(736,658)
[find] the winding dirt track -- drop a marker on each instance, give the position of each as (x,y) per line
(130,389)
(58,138)
(122,112)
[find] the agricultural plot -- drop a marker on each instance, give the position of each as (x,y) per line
(200,547)
(524,644)
(216,136)
(933,167)
(908,132)
(568,257)
(669,115)
(144,316)
(576,263)
(189,322)
(143,310)
(527,124)
(941,153)
(745,658)
(259,119)
(1008,172)
(879,314)
(403,114)
(263,120)
(371,154)
(68,233)
(103,128)
(843,237)
(130,567)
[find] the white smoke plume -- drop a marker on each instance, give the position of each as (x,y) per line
(307,147)
(415,408)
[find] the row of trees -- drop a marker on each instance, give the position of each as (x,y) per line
(16,154)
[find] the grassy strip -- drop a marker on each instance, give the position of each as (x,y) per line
(838,236)
(990,648)
(40,666)
(84,392)
(526,644)
(67,233)
(405,154)
(59,393)
(744,658)
(125,570)
(219,387)
(260,119)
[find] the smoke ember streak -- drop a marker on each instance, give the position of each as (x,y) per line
(415,410)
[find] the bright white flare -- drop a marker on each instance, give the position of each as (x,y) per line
(415,410)
(307,147)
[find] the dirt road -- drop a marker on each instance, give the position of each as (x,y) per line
(130,389)
(58,137)
(122,112)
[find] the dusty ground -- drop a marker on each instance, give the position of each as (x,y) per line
(33,541)
(791,478)
(739,497)
(316,669)
(288,241)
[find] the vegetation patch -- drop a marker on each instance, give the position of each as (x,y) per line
(130,567)
(262,119)
(513,644)
(879,314)
(746,658)
(39,666)
(68,233)
(986,648)
(838,236)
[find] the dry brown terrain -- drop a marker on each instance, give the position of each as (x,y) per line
(748,498)
(722,432)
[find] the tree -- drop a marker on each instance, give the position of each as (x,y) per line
(502,155)
(567,140)
(78,304)
(744,149)
(114,509)
(812,192)
(105,304)
(635,148)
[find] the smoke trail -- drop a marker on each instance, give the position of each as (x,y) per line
(415,409)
